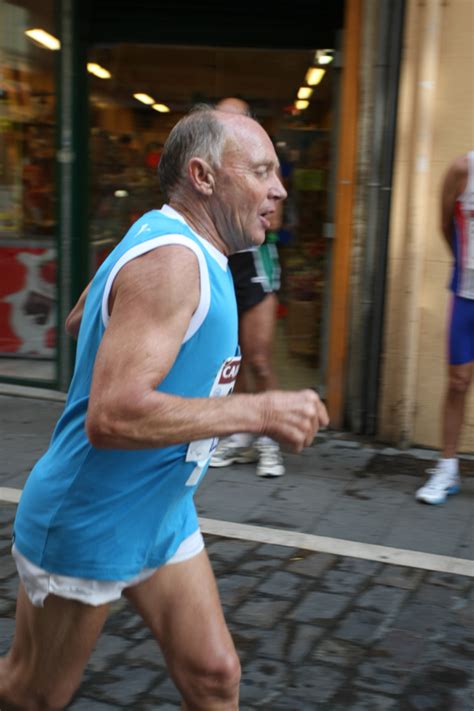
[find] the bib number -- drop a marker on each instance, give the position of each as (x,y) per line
(223,385)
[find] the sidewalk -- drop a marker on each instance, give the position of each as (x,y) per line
(313,630)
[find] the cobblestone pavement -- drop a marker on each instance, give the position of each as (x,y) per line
(313,631)
(341,487)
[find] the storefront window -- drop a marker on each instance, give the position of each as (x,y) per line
(27,193)
(143,93)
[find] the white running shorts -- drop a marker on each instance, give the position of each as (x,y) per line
(38,583)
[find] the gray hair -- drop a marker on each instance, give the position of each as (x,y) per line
(199,134)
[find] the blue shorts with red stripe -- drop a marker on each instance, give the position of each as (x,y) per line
(461,331)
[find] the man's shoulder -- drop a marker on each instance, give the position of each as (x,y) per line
(460,165)
(457,174)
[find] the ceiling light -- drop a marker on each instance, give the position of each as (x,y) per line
(324,56)
(304,92)
(98,71)
(314,75)
(161,108)
(44,39)
(144,98)
(301,105)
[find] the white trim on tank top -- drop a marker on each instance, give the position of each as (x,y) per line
(220,258)
(205,298)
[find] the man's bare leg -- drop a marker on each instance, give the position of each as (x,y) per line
(460,377)
(256,337)
(50,649)
(180,604)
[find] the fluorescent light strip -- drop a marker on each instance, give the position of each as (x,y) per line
(144,98)
(314,75)
(301,105)
(43,38)
(324,56)
(304,92)
(98,71)
(161,108)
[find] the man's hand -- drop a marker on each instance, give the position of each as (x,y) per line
(293,418)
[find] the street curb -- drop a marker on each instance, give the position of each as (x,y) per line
(32,392)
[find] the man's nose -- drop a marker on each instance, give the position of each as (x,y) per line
(278,192)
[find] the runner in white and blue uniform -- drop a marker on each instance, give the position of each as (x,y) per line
(457,208)
(461,331)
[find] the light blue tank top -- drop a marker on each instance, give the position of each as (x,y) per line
(107,514)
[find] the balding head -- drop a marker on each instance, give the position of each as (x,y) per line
(204,132)
(232,105)
(199,134)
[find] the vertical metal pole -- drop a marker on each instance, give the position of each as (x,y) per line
(383,32)
(72,164)
(391,31)
(65,158)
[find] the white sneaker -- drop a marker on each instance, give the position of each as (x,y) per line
(441,484)
(228,453)
(270,463)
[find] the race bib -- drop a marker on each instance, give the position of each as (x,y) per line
(223,385)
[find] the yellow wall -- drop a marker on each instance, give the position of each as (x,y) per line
(435,124)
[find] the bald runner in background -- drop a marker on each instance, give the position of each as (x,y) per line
(256,273)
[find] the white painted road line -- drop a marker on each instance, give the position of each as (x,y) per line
(12,496)
(339,546)
(318,544)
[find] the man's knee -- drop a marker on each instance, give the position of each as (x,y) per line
(225,673)
(57,699)
(217,677)
(259,363)
(19,692)
(32,700)
(459,383)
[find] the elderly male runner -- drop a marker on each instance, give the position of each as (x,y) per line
(109,508)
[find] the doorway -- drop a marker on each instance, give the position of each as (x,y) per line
(137,95)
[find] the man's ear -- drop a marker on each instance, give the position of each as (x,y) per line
(201,175)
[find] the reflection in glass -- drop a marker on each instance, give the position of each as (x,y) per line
(27,194)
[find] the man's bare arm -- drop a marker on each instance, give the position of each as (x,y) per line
(154,298)
(454,184)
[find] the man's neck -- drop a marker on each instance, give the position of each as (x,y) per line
(200,221)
